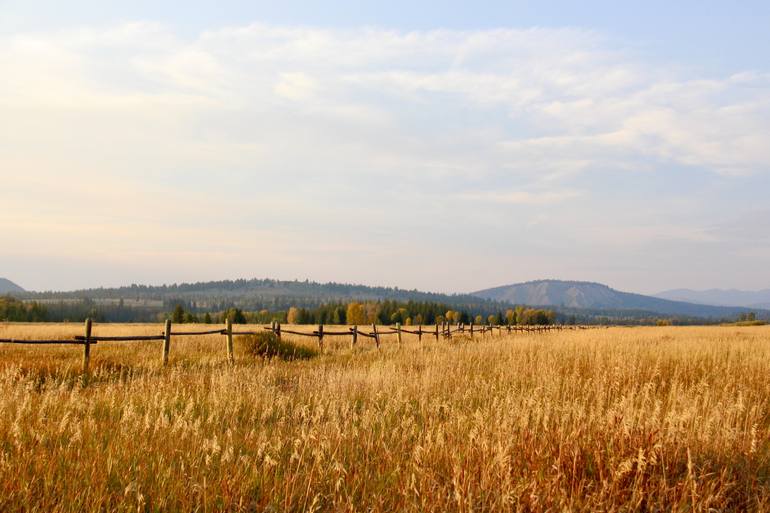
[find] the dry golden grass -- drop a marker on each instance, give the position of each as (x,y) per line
(623,419)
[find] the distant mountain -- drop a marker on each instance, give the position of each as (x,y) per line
(587,295)
(720,297)
(586,302)
(9,287)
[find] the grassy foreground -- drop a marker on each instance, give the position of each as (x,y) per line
(623,419)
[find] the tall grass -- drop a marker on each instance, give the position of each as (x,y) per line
(645,419)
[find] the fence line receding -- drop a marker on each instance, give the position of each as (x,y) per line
(438,331)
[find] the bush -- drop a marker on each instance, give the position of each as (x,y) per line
(268,345)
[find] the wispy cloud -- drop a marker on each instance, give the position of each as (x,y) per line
(296,128)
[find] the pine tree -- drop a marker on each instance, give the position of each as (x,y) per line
(178,315)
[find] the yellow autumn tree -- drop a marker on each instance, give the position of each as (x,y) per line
(292,316)
(356,314)
(452,316)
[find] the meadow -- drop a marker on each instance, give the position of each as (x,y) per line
(618,419)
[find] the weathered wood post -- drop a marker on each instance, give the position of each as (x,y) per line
(354,336)
(419,333)
(278,330)
(166,342)
(471,330)
(272,326)
(398,330)
(376,335)
(436,332)
(321,337)
(87,347)
(229,333)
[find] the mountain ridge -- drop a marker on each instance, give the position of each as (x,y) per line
(583,299)
(592,295)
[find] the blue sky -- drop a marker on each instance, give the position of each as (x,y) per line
(439,145)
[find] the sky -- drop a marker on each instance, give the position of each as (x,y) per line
(445,146)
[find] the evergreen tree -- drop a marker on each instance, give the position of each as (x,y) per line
(178,316)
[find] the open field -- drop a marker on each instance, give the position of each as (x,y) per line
(622,419)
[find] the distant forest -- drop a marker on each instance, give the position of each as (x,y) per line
(264,300)
(141,303)
(256,294)
(379,312)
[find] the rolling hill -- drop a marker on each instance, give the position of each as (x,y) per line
(9,287)
(587,302)
(588,295)
(256,294)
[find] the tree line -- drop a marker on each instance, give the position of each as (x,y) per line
(361,312)
(410,313)
(13,310)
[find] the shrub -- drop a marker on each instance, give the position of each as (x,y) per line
(268,345)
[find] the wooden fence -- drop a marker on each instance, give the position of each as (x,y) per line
(438,331)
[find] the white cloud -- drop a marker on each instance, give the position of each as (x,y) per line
(273,124)
(540,102)
(295,86)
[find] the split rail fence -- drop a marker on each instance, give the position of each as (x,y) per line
(438,331)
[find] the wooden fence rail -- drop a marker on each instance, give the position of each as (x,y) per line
(445,330)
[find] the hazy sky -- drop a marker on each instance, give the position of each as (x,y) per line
(445,146)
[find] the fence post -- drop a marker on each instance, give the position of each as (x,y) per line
(471,330)
(278,330)
(376,336)
(229,330)
(166,342)
(87,346)
(354,336)
(272,326)
(436,332)
(398,329)
(321,337)
(419,333)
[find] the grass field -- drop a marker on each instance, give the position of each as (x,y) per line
(620,419)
